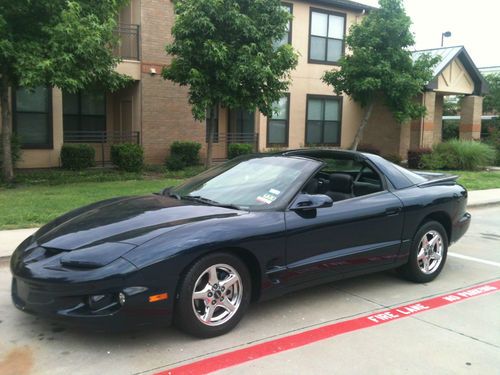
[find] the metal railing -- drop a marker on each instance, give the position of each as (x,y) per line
(103,139)
(99,136)
(129,41)
(226,138)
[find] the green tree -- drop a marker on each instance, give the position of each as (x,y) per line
(61,43)
(225,52)
(379,64)
(491,103)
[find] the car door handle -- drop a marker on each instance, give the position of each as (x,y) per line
(392,210)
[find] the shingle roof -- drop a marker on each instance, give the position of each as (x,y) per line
(447,54)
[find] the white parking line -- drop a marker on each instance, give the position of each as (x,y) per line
(478,260)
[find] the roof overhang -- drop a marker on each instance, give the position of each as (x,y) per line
(344,4)
(448,55)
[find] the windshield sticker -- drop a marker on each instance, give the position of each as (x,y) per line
(274,191)
(266,198)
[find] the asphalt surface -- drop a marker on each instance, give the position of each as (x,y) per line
(460,338)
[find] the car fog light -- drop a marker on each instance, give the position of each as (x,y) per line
(96,298)
(121,298)
(99,301)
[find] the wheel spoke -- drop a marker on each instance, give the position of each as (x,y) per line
(212,276)
(433,241)
(202,294)
(226,304)
(209,313)
(421,254)
(425,241)
(436,256)
(426,264)
(229,281)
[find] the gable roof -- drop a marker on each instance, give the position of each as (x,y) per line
(447,54)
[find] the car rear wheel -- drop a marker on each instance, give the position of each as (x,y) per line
(428,253)
(213,296)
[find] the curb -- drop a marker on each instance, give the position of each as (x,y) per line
(483,205)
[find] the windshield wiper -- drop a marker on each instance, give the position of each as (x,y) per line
(200,199)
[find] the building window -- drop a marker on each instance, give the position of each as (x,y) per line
(323,125)
(32,111)
(287,38)
(326,36)
(216,128)
(277,125)
(84,116)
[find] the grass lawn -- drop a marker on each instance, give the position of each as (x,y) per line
(477,180)
(40,196)
(33,206)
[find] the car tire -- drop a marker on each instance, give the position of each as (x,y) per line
(428,253)
(213,295)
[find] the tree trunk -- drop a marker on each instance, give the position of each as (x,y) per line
(364,121)
(7,168)
(211,128)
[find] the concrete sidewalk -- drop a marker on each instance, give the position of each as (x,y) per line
(9,239)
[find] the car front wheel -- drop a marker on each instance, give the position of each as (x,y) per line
(428,253)
(214,295)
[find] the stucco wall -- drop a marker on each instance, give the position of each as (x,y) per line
(306,79)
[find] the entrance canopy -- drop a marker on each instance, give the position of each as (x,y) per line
(455,73)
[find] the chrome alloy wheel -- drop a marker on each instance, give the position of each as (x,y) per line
(430,252)
(217,294)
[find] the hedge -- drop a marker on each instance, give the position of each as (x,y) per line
(128,157)
(77,157)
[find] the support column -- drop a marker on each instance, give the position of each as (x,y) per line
(438,119)
(422,129)
(470,117)
(428,120)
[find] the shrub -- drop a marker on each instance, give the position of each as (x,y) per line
(15,151)
(187,152)
(415,156)
(128,157)
(394,158)
(371,149)
(238,149)
(493,140)
(461,155)
(175,163)
(77,157)
(451,130)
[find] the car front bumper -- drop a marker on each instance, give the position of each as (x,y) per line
(72,305)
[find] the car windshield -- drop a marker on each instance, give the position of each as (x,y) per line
(249,183)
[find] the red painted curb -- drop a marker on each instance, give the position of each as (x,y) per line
(222,361)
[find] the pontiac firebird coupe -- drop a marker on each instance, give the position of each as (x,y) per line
(250,229)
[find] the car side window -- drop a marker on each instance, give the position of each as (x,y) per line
(342,179)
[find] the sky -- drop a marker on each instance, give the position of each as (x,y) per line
(473,24)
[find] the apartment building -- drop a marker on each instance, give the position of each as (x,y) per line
(155,112)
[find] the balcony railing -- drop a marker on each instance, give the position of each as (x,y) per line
(129,41)
(98,136)
(226,138)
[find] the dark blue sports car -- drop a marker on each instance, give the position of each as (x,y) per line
(253,228)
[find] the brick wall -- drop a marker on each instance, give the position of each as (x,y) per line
(166,113)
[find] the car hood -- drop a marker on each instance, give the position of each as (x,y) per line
(132,220)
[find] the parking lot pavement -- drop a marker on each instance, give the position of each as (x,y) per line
(462,337)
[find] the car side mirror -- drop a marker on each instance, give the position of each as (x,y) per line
(309,202)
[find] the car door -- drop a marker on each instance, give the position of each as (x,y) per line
(352,235)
